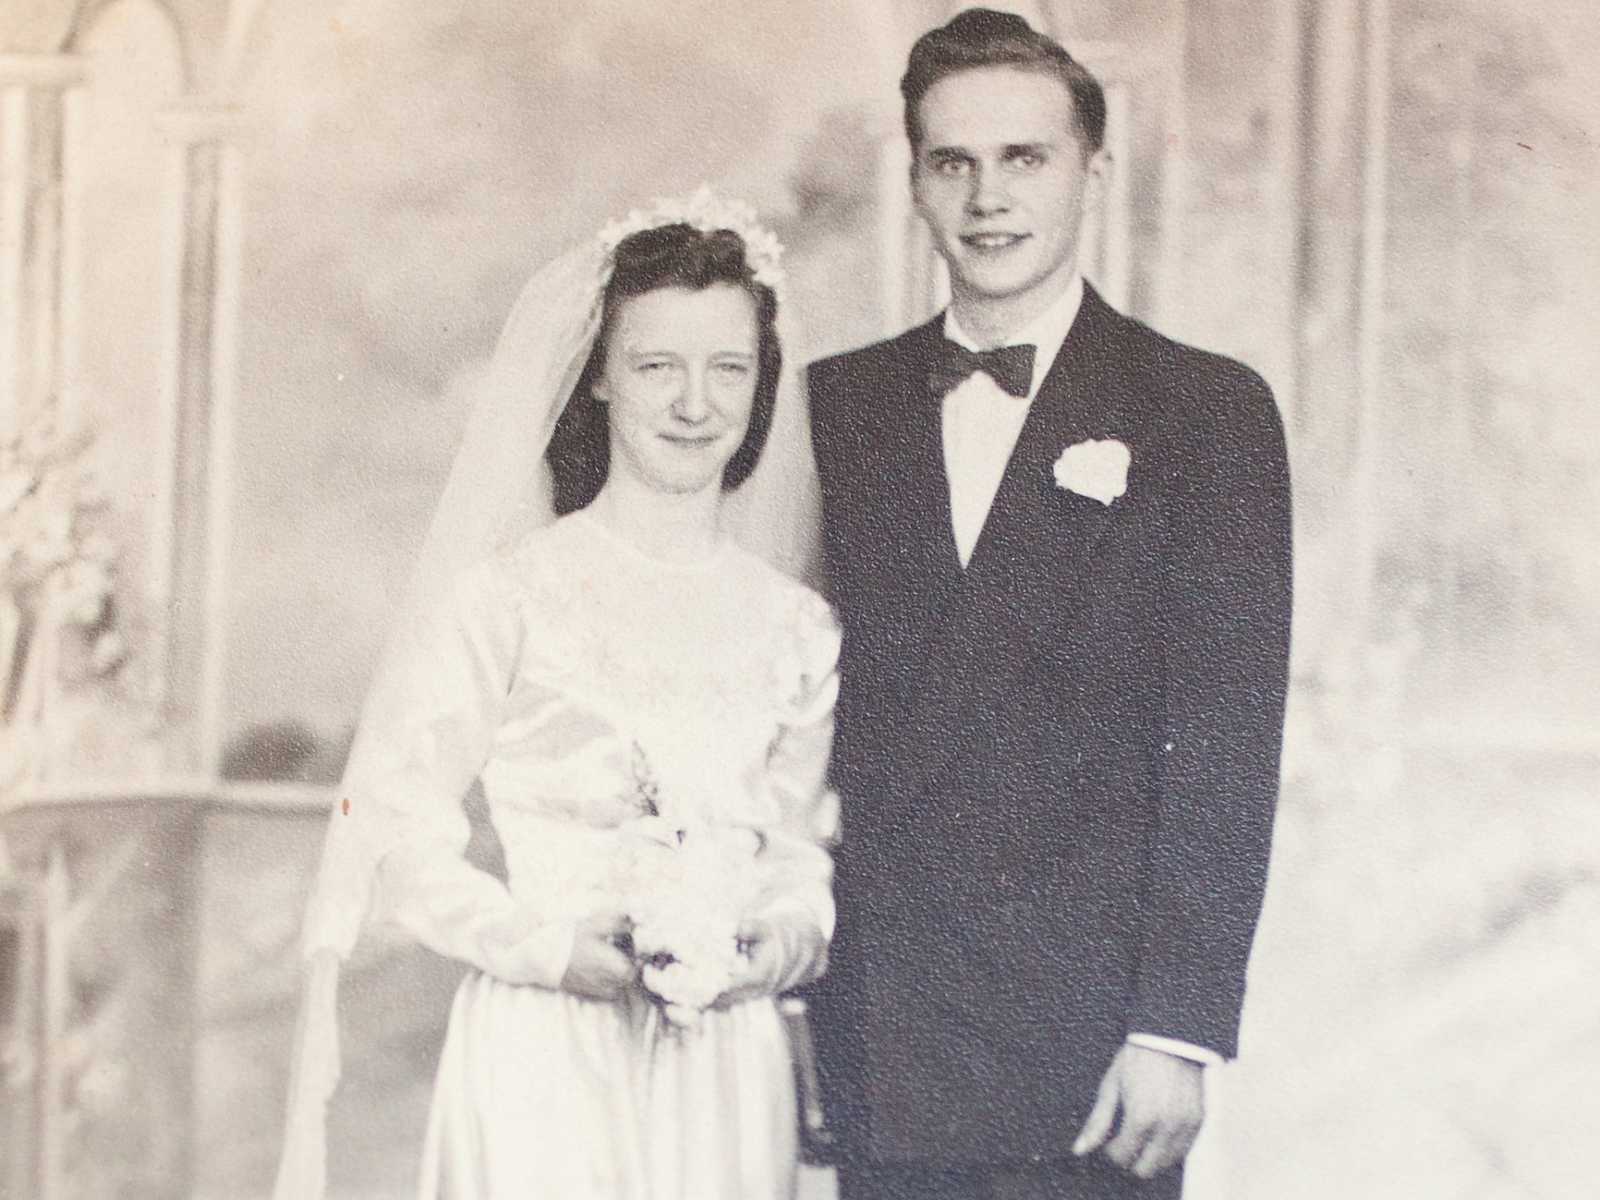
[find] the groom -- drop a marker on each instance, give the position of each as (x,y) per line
(1059,544)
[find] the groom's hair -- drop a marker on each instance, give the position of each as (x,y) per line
(665,256)
(982,37)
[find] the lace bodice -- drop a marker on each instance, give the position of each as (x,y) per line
(585,683)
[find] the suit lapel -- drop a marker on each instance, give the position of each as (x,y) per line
(1037,545)
(1076,401)
(916,489)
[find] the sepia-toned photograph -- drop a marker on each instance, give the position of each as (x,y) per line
(863,600)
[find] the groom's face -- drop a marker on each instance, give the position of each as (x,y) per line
(1000,174)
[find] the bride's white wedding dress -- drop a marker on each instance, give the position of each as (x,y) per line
(576,676)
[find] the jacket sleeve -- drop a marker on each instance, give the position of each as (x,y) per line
(1223,600)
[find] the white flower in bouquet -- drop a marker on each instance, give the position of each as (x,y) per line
(688,962)
(688,889)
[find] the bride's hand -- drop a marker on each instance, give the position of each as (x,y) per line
(779,954)
(599,969)
(758,966)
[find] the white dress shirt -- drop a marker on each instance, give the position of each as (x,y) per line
(980,423)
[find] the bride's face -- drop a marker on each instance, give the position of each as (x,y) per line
(679,383)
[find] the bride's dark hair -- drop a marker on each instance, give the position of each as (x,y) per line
(667,256)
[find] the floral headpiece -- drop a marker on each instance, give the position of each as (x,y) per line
(707,212)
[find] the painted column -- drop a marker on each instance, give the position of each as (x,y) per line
(41,116)
(200,289)
(40,107)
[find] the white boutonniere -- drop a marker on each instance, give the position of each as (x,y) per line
(1096,468)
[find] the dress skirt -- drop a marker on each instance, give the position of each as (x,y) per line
(542,1094)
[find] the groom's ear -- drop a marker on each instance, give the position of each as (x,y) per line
(1098,168)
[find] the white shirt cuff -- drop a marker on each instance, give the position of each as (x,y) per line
(1188,1050)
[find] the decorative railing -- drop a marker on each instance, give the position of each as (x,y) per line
(114,968)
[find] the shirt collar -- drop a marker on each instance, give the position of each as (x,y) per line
(1046,332)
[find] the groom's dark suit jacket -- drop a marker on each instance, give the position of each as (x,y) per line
(1058,765)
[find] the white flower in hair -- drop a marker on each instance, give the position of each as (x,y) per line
(705,211)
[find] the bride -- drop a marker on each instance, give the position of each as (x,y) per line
(648,708)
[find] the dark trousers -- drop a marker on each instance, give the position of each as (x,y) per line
(1072,1179)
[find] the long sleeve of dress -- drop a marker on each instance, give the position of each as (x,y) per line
(448,687)
(799,890)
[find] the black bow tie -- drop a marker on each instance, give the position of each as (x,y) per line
(1009,366)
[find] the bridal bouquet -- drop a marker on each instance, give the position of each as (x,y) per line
(687,889)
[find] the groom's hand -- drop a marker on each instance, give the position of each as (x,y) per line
(1154,1102)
